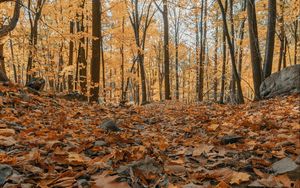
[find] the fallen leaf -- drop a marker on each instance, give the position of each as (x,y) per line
(102,181)
(7,132)
(7,141)
(213,127)
(239,177)
(203,148)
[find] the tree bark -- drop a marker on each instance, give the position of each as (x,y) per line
(96,46)
(240,98)
(71,57)
(254,48)
(166,51)
(270,38)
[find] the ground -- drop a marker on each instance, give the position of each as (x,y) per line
(46,141)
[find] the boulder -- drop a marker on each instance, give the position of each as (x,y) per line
(284,82)
(36,84)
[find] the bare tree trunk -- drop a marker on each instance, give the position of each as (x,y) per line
(202,55)
(223,78)
(166,50)
(240,98)
(296,23)
(96,53)
(216,61)
(270,38)
(33,36)
(254,48)
(71,57)
(233,81)
(281,36)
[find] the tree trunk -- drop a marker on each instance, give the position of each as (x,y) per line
(223,77)
(71,57)
(216,62)
(202,55)
(33,37)
(96,46)
(270,38)
(296,23)
(166,51)
(240,98)
(254,48)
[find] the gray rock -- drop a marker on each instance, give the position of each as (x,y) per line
(100,143)
(37,84)
(5,172)
(285,82)
(83,183)
(284,165)
(230,139)
(110,125)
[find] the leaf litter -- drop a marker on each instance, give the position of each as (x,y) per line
(46,141)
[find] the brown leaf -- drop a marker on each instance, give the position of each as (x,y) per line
(239,177)
(102,181)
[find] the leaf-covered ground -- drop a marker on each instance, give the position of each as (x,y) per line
(50,142)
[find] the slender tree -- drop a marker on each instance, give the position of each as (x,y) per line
(270,38)
(33,39)
(254,48)
(240,98)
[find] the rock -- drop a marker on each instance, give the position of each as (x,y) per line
(100,143)
(284,165)
(36,84)
(110,126)
(83,183)
(294,174)
(230,139)
(297,161)
(75,96)
(285,82)
(5,172)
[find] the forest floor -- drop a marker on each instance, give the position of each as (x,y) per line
(46,141)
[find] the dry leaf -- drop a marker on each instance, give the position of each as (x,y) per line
(239,177)
(102,181)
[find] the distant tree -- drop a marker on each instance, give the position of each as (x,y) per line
(140,16)
(165,14)
(33,39)
(240,98)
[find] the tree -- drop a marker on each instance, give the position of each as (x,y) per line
(240,98)
(165,15)
(270,38)
(96,46)
(5,30)
(140,16)
(254,48)
(176,24)
(33,39)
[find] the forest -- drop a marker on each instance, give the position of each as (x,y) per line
(149,93)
